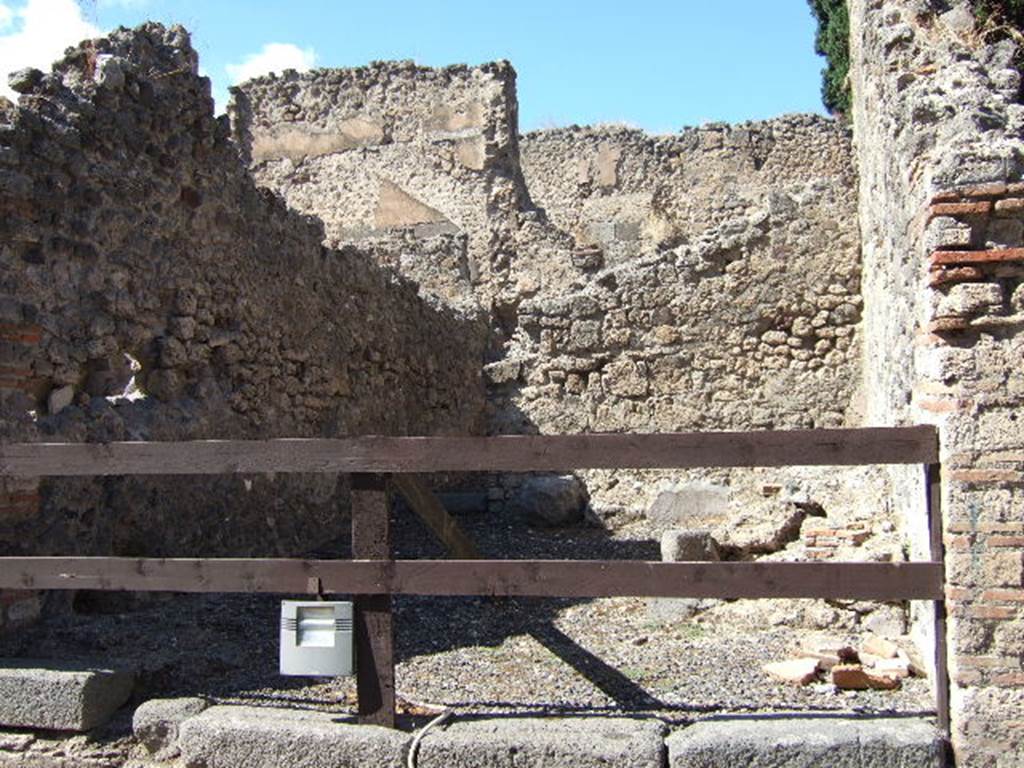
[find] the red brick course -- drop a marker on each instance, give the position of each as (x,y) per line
(979,208)
(993,256)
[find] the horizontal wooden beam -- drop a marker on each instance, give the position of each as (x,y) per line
(511,453)
(543,578)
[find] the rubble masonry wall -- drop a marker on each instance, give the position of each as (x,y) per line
(938,126)
(131,231)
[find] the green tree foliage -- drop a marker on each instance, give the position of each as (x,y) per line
(1000,12)
(833,42)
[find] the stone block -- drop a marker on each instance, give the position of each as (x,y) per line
(229,736)
(156,723)
(60,399)
(970,299)
(59,696)
(579,742)
(550,500)
(807,742)
(701,505)
(688,545)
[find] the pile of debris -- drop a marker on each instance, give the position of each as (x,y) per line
(880,664)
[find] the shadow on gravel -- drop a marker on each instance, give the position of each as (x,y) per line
(225,646)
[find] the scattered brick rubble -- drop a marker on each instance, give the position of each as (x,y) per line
(879,664)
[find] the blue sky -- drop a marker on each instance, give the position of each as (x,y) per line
(658,65)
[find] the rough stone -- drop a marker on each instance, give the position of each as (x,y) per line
(683,545)
(256,330)
(698,505)
(550,501)
(800,741)
(677,546)
(24,80)
(156,722)
(60,399)
(970,299)
(227,736)
(59,696)
(586,742)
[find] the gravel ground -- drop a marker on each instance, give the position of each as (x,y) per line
(524,655)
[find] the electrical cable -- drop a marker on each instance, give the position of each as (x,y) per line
(410,760)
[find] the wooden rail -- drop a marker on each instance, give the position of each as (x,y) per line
(539,578)
(513,453)
(373,577)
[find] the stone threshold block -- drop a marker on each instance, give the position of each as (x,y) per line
(230,736)
(566,742)
(227,736)
(59,696)
(807,741)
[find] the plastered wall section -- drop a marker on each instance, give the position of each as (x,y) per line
(938,128)
(392,148)
(150,290)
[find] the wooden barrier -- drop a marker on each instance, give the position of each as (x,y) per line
(512,453)
(536,578)
(373,577)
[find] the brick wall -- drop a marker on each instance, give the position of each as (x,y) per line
(938,123)
(971,361)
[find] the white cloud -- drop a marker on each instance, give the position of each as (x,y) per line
(36,34)
(273,57)
(127,4)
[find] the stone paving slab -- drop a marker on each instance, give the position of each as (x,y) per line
(796,741)
(572,742)
(230,736)
(57,696)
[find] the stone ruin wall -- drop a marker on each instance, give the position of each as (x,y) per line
(939,125)
(705,280)
(130,227)
(419,165)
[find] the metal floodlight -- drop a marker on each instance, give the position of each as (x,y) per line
(316,638)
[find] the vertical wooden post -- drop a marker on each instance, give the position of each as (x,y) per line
(375,661)
(933,489)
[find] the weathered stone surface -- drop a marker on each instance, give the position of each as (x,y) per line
(397,208)
(59,696)
(24,80)
(700,506)
(60,399)
(970,299)
(227,736)
(677,546)
(155,723)
(683,545)
(251,330)
(927,98)
(587,742)
(549,501)
(801,741)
